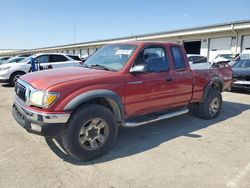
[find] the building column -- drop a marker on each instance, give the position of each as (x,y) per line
(204,47)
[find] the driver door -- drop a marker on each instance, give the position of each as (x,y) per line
(153,90)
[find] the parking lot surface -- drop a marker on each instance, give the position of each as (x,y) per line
(182,151)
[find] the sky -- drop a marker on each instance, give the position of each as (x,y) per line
(26,24)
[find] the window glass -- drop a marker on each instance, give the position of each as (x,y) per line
(75,57)
(178,58)
(199,59)
(58,58)
(242,64)
(190,59)
(43,59)
(155,58)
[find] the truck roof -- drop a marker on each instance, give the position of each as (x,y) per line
(146,42)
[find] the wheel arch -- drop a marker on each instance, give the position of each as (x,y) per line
(103,97)
(215,83)
(18,71)
(12,76)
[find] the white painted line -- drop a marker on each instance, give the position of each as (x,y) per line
(234,182)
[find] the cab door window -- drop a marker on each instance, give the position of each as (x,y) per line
(155,58)
(179,62)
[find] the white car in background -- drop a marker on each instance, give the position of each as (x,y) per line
(14,60)
(224,58)
(2,59)
(197,61)
(10,72)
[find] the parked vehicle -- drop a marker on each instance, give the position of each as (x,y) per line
(245,55)
(75,57)
(84,57)
(14,60)
(197,61)
(123,84)
(241,74)
(2,59)
(224,58)
(10,72)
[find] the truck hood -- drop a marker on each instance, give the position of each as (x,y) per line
(47,78)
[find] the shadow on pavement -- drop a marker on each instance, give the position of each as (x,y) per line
(6,85)
(131,141)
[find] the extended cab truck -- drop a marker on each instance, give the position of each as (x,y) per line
(124,84)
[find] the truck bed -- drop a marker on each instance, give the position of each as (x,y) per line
(204,76)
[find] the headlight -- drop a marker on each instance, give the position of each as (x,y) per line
(43,99)
(5,68)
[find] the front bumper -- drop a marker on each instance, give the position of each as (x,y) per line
(245,85)
(44,124)
(4,75)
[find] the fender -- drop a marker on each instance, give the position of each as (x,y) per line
(114,100)
(214,81)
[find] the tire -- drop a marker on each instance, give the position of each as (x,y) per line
(81,137)
(210,108)
(193,109)
(14,77)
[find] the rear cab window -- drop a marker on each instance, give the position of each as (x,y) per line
(178,58)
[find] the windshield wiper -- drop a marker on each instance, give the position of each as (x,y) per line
(102,67)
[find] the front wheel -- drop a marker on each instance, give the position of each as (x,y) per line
(210,108)
(90,132)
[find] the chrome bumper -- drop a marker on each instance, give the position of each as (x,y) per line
(44,124)
(40,117)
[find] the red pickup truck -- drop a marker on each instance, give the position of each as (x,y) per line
(123,84)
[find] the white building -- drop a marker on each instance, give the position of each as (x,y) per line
(233,37)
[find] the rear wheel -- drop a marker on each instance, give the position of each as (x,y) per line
(210,108)
(90,133)
(14,77)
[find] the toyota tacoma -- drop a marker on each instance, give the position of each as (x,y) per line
(122,84)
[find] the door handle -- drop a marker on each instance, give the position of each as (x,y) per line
(169,79)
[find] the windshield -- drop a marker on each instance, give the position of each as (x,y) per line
(26,60)
(245,63)
(226,56)
(113,56)
(244,56)
(14,60)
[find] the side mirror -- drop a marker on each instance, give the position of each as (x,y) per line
(143,68)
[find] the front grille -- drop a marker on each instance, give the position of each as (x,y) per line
(20,91)
(239,77)
(242,77)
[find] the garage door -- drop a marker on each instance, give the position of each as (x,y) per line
(219,46)
(246,42)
